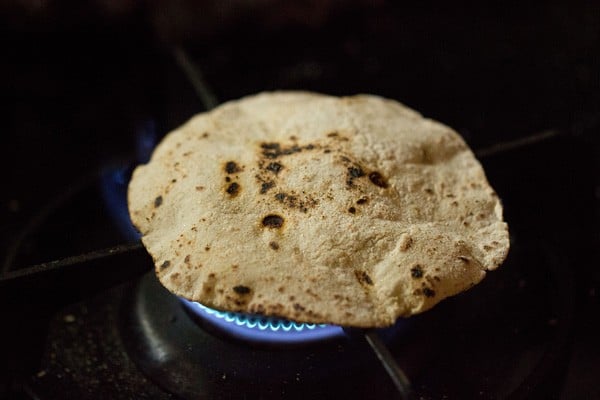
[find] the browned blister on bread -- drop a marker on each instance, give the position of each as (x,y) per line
(352,211)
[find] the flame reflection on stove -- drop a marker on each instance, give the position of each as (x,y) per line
(258,328)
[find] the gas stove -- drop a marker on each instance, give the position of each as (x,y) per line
(97,324)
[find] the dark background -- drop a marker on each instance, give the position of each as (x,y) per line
(79,80)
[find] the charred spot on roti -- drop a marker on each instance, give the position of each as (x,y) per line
(265,186)
(158,201)
(464,259)
(355,172)
(231,167)
(405,241)
(377,179)
(272,221)
(363,277)
(335,135)
(362,200)
(273,150)
(295,201)
(241,289)
(270,146)
(274,245)
(352,210)
(280,196)
(299,307)
(274,167)
(416,271)
(424,291)
(165,264)
(227,179)
(233,189)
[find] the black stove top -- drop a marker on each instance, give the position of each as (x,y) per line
(85,101)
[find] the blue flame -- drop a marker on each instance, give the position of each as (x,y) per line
(115,178)
(146,139)
(258,328)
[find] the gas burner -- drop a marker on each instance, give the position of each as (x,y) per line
(177,346)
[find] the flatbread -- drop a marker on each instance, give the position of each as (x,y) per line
(351,211)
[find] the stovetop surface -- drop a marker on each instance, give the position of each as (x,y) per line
(78,95)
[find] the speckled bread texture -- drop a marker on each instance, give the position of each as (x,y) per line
(352,211)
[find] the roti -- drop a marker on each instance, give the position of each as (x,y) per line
(351,211)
